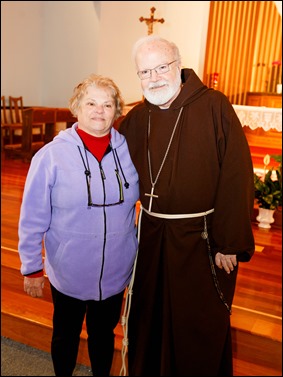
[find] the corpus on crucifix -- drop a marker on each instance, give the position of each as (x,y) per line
(150,21)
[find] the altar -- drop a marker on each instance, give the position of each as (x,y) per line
(263,130)
(254,117)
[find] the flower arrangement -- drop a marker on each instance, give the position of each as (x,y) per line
(268,187)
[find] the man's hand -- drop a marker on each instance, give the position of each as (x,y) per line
(34,286)
(226,261)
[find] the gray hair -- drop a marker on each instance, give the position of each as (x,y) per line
(155,38)
(100,82)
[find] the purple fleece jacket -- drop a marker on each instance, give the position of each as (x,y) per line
(88,251)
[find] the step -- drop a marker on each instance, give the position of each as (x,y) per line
(242,318)
(11,276)
(12,281)
(257,339)
(28,320)
(22,314)
(31,324)
(257,336)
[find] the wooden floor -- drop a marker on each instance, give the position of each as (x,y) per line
(256,312)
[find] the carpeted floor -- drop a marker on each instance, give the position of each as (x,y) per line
(18,359)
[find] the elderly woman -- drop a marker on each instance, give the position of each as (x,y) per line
(79,198)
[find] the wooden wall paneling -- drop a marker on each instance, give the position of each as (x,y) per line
(263,59)
(225,58)
(215,39)
(230,70)
(211,31)
(234,49)
(269,51)
(220,48)
(245,56)
(248,50)
(256,63)
(242,41)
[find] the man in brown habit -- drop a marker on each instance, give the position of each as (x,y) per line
(197,196)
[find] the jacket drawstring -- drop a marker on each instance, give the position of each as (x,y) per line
(116,158)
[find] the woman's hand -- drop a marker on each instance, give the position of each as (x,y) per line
(34,286)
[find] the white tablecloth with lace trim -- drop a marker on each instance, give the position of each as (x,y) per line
(260,116)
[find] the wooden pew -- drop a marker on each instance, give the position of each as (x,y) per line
(46,115)
(50,116)
(28,147)
(64,115)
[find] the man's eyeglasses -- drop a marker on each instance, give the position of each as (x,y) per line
(160,70)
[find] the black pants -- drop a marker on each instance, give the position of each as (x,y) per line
(101,319)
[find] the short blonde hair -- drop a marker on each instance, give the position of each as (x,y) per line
(100,82)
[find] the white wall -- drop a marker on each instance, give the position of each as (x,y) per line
(49,46)
(70,48)
(185,23)
(21,50)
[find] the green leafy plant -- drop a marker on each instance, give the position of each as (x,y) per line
(268,187)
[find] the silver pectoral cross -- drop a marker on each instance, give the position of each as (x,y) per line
(151,197)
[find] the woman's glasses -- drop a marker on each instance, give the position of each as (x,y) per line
(120,185)
(103,177)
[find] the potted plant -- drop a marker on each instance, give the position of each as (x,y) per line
(268,191)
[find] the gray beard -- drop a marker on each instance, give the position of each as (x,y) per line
(162,96)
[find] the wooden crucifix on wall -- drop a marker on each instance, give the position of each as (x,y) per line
(150,21)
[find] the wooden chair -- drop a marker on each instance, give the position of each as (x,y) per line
(4,114)
(16,109)
(27,148)
(4,122)
(7,126)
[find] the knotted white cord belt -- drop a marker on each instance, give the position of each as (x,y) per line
(178,216)
(128,299)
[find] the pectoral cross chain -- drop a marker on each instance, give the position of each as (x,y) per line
(153,182)
(152,195)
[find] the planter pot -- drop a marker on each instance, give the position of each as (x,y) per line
(265,217)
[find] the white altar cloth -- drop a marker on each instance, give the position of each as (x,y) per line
(252,116)
(260,116)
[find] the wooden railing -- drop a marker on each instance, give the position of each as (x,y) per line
(49,117)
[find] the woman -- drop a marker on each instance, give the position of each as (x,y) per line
(79,198)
